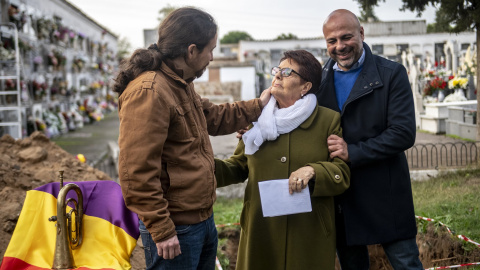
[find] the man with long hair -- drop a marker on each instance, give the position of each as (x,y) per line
(166,164)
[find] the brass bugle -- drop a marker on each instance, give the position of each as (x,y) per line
(67,238)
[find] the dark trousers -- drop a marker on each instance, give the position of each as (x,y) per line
(402,254)
(198,243)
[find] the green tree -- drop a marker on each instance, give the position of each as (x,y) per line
(234,37)
(459,15)
(286,36)
(124,48)
(366,9)
(163,13)
(441,24)
(368,15)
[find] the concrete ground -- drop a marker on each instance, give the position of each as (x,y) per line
(91,140)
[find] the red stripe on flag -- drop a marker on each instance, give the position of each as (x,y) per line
(10,263)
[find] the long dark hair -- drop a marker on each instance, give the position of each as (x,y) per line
(310,67)
(181,28)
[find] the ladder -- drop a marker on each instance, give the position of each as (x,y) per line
(10,112)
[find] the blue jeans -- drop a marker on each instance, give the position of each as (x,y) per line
(402,254)
(198,243)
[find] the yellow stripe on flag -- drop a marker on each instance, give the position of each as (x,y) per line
(104,244)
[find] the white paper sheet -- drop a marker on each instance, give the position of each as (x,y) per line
(276,201)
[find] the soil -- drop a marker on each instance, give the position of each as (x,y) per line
(27,164)
(34,161)
(437,248)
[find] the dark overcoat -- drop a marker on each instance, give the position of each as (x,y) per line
(378,122)
(291,242)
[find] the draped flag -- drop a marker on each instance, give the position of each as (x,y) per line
(110,230)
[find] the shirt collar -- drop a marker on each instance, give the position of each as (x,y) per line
(355,66)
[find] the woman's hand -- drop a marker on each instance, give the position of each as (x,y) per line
(298,180)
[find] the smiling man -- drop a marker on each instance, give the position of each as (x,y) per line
(375,100)
(166,165)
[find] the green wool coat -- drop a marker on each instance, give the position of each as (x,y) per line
(292,242)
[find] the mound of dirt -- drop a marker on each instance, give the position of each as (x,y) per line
(27,164)
(437,248)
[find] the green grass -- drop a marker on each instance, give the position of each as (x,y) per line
(453,199)
(226,211)
(459,138)
(447,135)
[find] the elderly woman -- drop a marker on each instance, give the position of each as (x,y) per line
(289,141)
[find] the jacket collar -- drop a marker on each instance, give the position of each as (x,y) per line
(368,78)
(310,120)
(171,70)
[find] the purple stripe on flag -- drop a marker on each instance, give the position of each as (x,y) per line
(102,199)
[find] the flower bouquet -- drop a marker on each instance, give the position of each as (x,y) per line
(434,86)
(458,83)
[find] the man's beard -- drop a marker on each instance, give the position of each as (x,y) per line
(199,73)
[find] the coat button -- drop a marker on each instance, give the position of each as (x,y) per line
(283,159)
(376,82)
(371,84)
(337,176)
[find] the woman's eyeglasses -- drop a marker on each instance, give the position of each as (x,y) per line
(285,72)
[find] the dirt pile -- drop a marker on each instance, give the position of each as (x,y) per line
(437,248)
(27,164)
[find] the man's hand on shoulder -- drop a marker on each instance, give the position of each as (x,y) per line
(241,132)
(169,248)
(265,97)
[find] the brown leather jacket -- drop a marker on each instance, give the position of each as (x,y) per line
(166,165)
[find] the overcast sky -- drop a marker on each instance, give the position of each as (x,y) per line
(261,19)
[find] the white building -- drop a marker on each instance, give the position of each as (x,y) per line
(388,39)
(62,49)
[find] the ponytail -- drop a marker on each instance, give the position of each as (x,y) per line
(141,60)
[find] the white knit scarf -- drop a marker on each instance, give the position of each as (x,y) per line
(274,121)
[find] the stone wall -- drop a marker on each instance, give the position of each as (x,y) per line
(210,89)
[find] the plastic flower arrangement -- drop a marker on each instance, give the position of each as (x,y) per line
(95,86)
(78,64)
(430,74)
(433,86)
(458,83)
